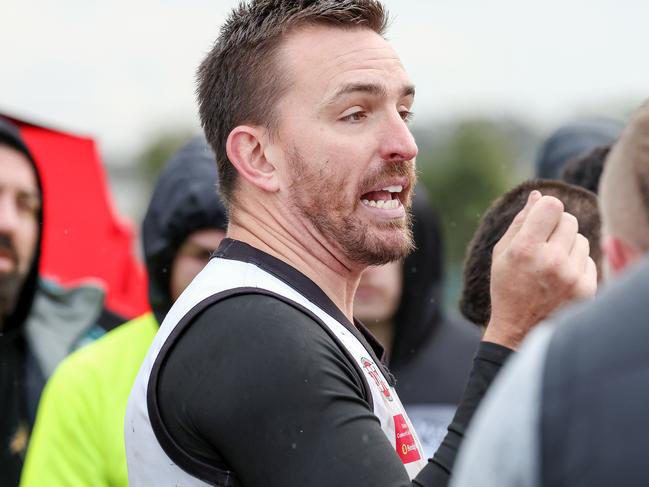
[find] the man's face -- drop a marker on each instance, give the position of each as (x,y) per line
(19,206)
(191,257)
(379,293)
(348,155)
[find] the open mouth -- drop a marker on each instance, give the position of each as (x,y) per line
(7,264)
(387,198)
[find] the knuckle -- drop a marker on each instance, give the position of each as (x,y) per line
(555,266)
(559,269)
(583,242)
(570,220)
(553,203)
(521,251)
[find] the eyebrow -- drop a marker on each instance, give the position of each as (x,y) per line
(370,89)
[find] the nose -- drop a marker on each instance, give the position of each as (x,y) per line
(8,214)
(398,142)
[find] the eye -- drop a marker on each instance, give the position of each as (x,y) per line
(406,115)
(357,116)
(27,204)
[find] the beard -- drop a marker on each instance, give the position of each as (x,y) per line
(10,286)
(10,282)
(323,199)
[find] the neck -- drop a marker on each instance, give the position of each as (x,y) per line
(298,244)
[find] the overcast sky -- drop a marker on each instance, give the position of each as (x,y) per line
(123,70)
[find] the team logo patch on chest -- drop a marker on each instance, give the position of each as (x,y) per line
(405,441)
(377,377)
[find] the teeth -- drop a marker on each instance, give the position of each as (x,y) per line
(393,189)
(383,204)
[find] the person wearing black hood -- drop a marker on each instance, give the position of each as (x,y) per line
(401,303)
(21,219)
(573,140)
(78,436)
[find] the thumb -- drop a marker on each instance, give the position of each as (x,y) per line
(519,219)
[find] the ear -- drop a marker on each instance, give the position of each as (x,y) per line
(245,149)
(619,254)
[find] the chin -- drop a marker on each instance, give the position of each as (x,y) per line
(380,251)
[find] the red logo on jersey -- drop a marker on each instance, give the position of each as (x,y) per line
(371,370)
(405,442)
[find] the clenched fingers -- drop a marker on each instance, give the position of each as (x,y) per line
(580,252)
(565,233)
(542,220)
(587,286)
(518,221)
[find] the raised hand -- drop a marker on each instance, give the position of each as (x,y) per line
(539,264)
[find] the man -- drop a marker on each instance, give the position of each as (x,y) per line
(20,232)
(580,415)
(40,321)
(259,376)
(401,303)
(475,301)
(78,437)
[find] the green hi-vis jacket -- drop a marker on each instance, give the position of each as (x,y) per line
(78,438)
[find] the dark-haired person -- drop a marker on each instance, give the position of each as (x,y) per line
(586,171)
(78,437)
(20,230)
(580,381)
(401,303)
(259,375)
(475,301)
(41,322)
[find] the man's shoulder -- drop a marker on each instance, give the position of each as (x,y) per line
(255,311)
(264,327)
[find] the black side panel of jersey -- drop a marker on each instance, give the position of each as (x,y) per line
(208,465)
(593,424)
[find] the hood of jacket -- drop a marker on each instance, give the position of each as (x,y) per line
(14,423)
(185,199)
(10,135)
(574,140)
(420,308)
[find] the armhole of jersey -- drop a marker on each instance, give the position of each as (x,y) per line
(193,466)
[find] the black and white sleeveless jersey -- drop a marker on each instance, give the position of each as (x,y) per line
(256,378)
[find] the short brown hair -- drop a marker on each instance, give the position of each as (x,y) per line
(239,82)
(475,301)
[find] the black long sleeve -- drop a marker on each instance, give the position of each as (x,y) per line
(488,361)
(261,388)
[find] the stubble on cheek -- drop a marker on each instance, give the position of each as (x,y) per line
(327,201)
